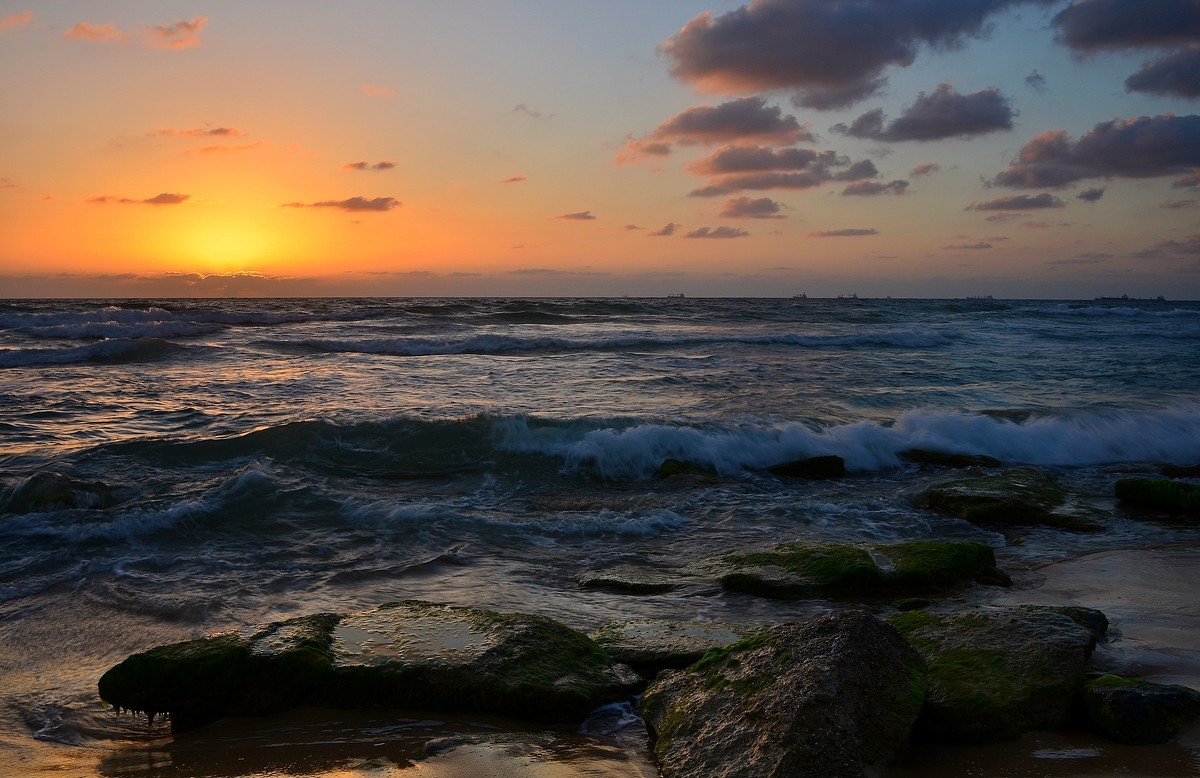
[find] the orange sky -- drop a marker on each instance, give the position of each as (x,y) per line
(230,148)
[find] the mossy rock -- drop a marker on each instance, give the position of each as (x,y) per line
(1137,712)
(628,579)
(826,466)
(1160,494)
(801,571)
(923,457)
(835,696)
(994,674)
(1016,497)
(652,645)
(407,654)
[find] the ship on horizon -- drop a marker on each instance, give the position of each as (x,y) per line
(1127,299)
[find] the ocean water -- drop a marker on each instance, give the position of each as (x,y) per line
(239,461)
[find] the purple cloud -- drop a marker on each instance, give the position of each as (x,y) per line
(1018,203)
(943,114)
(353,204)
(751,208)
(717,232)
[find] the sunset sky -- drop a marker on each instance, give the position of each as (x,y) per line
(928,148)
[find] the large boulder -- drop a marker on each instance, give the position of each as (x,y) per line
(50,491)
(651,645)
(922,456)
(406,654)
(835,696)
(994,674)
(1016,497)
(1160,494)
(1137,712)
(793,571)
(827,466)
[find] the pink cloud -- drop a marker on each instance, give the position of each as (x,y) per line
(19,19)
(99,33)
(182,34)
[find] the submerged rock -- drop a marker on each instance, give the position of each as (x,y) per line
(1137,712)
(994,674)
(1161,494)
(828,466)
(836,696)
(794,571)
(673,467)
(48,491)
(656,644)
(1019,496)
(627,579)
(924,457)
(406,654)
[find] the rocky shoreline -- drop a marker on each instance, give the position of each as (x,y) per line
(896,661)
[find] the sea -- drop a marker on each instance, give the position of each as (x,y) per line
(230,462)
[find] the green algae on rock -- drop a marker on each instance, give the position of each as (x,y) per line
(835,696)
(406,654)
(628,579)
(1137,712)
(1017,496)
(651,645)
(1160,493)
(994,674)
(806,570)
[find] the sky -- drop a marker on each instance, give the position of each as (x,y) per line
(907,148)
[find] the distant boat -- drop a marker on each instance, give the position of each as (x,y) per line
(677,295)
(847,296)
(1127,299)
(979,297)
(800,296)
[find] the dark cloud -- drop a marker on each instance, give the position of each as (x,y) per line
(352,204)
(1036,81)
(528,110)
(833,52)
(1091,195)
(1188,247)
(751,208)
(1141,147)
(665,231)
(943,114)
(384,165)
(1176,205)
(165,198)
(632,227)
(580,216)
(835,97)
(924,169)
(1178,73)
(200,132)
(1090,25)
(736,168)
(849,233)
(873,188)
(1082,259)
(1018,203)
(717,232)
(514,179)
(745,119)
(981,246)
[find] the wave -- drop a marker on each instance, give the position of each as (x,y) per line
(111,351)
(509,344)
(1115,311)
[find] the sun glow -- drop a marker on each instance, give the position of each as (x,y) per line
(229,245)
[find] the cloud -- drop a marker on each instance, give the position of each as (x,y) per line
(981,246)
(1175,205)
(717,232)
(1018,203)
(530,111)
(631,227)
(1091,25)
(1141,147)
(664,231)
(1091,195)
(847,233)
(177,35)
(165,198)
(99,33)
(1036,81)
(386,164)
(6,183)
(1187,248)
(19,19)
(1090,258)
(1178,73)
(1190,181)
(924,169)
(873,188)
(513,179)
(943,114)
(833,52)
(581,216)
(736,168)
(376,90)
(751,208)
(353,204)
(744,119)
(200,132)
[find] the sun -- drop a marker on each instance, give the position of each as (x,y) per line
(229,245)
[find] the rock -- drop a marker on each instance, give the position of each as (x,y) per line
(1137,712)
(652,645)
(673,467)
(1161,494)
(627,579)
(923,457)
(994,674)
(48,491)
(832,697)
(1018,496)
(813,467)
(407,654)
(794,571)
(1180,471)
